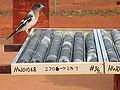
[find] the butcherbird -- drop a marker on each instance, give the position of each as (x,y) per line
(29,21)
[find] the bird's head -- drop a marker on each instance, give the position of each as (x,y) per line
(38,6)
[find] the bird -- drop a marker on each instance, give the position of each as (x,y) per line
(29,20)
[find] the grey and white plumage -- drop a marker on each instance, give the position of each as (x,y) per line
(30,20)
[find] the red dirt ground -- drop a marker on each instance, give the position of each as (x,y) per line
(85,21)
(84,4)
(6,22)
(6,4)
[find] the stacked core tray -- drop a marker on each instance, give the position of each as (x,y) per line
(54,51)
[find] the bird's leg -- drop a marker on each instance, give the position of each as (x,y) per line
(27,31)
(30,35)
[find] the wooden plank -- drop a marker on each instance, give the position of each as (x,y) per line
(118,2)
(5,61)
(116,82)
(6,58)
(1,48)
(5,69)
(53,82)
(12,48)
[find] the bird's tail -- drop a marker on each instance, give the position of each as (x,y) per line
(11,34)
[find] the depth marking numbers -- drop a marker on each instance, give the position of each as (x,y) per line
(62,68)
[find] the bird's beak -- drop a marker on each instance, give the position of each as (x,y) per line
(42,6)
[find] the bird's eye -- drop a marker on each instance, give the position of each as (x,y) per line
(39,6)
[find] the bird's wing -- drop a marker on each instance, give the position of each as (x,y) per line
(26,20)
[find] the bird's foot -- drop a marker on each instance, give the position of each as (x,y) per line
(31,35)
